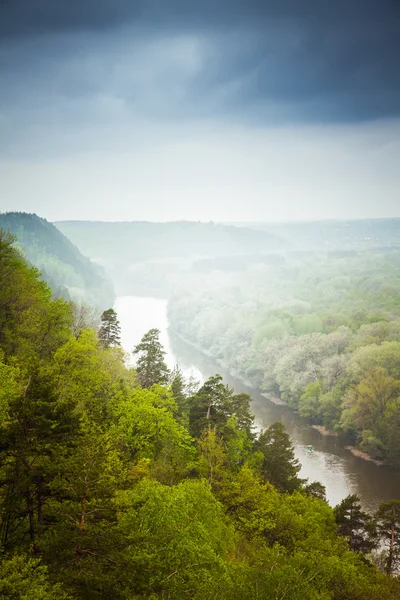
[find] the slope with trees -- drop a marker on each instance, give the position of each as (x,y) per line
(105,493)
(63,267)
(151,258)
(321,332)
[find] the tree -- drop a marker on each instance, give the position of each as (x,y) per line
(240,407)
(214,403)
(372,395)
(88,376)
(212,458)
(209,406)
(279,465)
(309,400)
(174,540)
(388,520)
(150,364)
(25,578)
(355,525)
(177,385)
(147,429)
(39,431)
(316,489)
(85,317)
(81,512)
(110,330)
(31,324)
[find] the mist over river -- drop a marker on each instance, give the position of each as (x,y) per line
(331,464)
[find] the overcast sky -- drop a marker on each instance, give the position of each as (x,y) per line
(206,110)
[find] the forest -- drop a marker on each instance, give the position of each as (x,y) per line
(68,272)
(320,331)
(130,482)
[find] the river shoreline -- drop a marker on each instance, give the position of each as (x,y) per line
(277,401)
(365,456)
(274,399)
(324,431)
(337,468)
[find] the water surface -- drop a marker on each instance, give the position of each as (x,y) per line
(331,464)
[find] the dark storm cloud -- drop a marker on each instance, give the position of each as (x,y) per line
(216,109)
(25,16)
(265,61)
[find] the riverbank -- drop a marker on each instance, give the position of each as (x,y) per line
(365,456)
(335,467)
(274,399)
(323,431)
(218,361)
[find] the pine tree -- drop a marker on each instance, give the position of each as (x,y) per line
(110,330)
(214,404)
(355,524)
(177,383)
(279,466)
(209,406)
(316,490)
(388,519)
(150,365)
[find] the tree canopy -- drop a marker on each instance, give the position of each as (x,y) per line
(113,486)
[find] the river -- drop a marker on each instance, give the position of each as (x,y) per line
(330,463)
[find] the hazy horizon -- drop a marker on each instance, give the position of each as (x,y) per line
(228,111)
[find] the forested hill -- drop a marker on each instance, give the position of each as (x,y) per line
(150,258)
(321,332)
(135,241)
(134,484)
(318,236)
(63,266)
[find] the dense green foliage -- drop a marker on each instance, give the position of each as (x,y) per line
(105,493)
(320,332)
(63,267)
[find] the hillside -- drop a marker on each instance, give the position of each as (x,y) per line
(125,242)
(357,234)
(150,258)
(136,484)
(63,266)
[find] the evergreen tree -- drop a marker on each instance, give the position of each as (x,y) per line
(355,524)
(279,466)
(214,403)
(316,489)
(110,330)
(150,364)
(177,383)
(388,520)
(209,406)
(240,407)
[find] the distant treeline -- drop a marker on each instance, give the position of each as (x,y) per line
(126,243)
(322,332)
(320,236)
